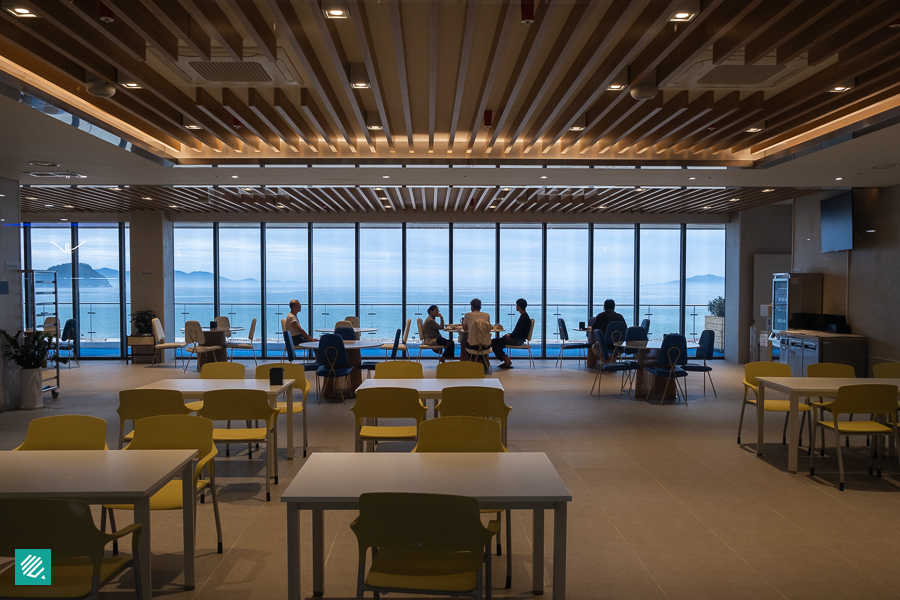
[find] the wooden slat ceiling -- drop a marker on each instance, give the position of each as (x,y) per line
(492,202)
(435,69)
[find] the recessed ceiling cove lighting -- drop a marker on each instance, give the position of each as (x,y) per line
(43,163)
(613,87)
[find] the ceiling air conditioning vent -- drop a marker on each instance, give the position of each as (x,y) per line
(253,70)
(47,174)
(230,72)
(734,74)
(740,74)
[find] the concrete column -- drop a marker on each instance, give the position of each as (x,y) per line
(153,271)
(11,317)
(761,230)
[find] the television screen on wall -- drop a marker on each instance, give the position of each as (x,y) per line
(837,222)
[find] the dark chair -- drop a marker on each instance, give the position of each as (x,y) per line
(672,355)
(370,366)
(67,341)
(646,325)
(332,359)
(601,350)
(565,344)
(615,332)
(704,353)
(291,356)
(347,334)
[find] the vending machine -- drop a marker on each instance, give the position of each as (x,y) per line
(794,293)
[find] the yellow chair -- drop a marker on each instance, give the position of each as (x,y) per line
(386,403)
(298,374)
(77,567)
(139,404)
(427,544)
(827,370)
(245,405)
(220,370)
(469,434)
(470,401)
(399,369)
(753,370)
(459,370)
(876,399)
(174,432)
(887,370)
(65,432)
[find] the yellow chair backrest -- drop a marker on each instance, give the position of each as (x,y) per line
(459,434)
(469,401)
(138,404)
(872,398)
(65,432)
(752,370)
(388,403)
(462,369)
(222,370)
(420,524)
(830,370)
(176,432)
(888,370)
(237,405)
(291,371)
(399,369)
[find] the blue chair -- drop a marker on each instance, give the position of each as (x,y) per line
(672,355)
(704,353)
(370,366)
(615,332)
(646,325)
(332,360)
(67,341)
(601,350)
(347,334)
(566,345)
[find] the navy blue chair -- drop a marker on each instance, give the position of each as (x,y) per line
(704,353)
(370,366)
(566,345)
(67,341)
(672,356)
(347,334)
(332,360)
(601,350)
(646,325)
(615,332)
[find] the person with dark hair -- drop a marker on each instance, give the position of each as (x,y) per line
(609,314)
(476,333)
(431,333)
(516,337)
(292,325)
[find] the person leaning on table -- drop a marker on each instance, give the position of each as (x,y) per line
(431,333)
(515,338)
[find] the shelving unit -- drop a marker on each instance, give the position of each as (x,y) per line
(41,294)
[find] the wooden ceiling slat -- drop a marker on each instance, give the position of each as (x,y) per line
(696,110)
(823,27)
(879,18)
(462,69)
(219,28)
(255,24)
(224,119)
(751,109)
(311,111)
(433,39)
(270,117)
(721,109)
(293,119)
(629,113)
(779,32)
(117,31)
(751,27)
(240,111)
(367,46)
(673,109)
(402,69)
(171,14)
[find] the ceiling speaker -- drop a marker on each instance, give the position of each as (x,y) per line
(101,89)
(644,91)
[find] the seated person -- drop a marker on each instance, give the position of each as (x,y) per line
(292,325)
(609,314)
(431,333)
(515,338)
(468,324)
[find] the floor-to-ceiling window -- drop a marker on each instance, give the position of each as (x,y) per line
(474,268)
(194,283)
(567,283)
(427,271)
(334,274)
(521,260)
(614,269)
(380,281)
(51,250)
(660,282)
(99,299)
(240,289)
(705,281)
(287,278)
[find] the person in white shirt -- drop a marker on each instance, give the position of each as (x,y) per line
(292,325)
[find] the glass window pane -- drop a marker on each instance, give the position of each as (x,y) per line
(427,272)
(193,275)
(51,247)
(98,289)
(660,278)
(567,270)
(614,269)
(521,250)
(380,282)
(334,274)
(287,278)
(705,269)
(240,289)
(474,268)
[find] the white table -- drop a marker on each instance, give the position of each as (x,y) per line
(355,330)
(354,359)
(517,480)
(796,388)
(430,388)
(195,388)
(107,477)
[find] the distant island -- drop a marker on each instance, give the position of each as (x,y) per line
(87,276)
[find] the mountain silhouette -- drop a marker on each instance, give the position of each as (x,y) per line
(87,276)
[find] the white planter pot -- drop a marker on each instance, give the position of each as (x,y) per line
(32,384)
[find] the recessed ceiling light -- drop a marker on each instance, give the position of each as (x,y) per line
(68,206)
(63,219)
(359,86)
(43,163)
(870,231)
(30,198)
(638,188)
(382,198)
(385,176)
(682,16)
(374,127)
(116,188)
(173,206)
(46,205)
(19,11)
(767,190)
(838,178)
(378,189)
(234,176)
(734,199)
(576,128)
(614,87)
(492,206)
(247,189)
(131,86)
(839,88)
(543,177)
(281,206)
(754,130)
(692,178)
(604,206)
(706,207)
(192,126)
(505,189)
(146,198)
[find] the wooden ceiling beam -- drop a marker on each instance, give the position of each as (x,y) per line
(611,119)
(462,69)
(671,110)
(696,110)
(723,108)
(402,69)
(255,24)
(754,26)
(270,117)
(141,19)
(216,24)
(118,31)
(860,29)
(179,21)
(750,111)
(434,13)
(779,32)
(370,59)
(294,119)
(316,118)
(645,112)
(215,111)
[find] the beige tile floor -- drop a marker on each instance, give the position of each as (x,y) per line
(665,502)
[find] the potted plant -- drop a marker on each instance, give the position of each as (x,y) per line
(30,352)
(715,320)
(142,322)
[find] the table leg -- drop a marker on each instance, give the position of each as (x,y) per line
(293,550)
(760,418)
(318,549)
(793,432)
(189,512)
(537,553)
(559,551)
(290,422)
(142,516)
(639,388)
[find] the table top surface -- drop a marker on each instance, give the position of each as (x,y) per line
(649,345)
(208,385)
(355,329)
(429,385)
(88,473)
(331,477)
(218,329)
(348,344)
(458,327)
(823,384)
